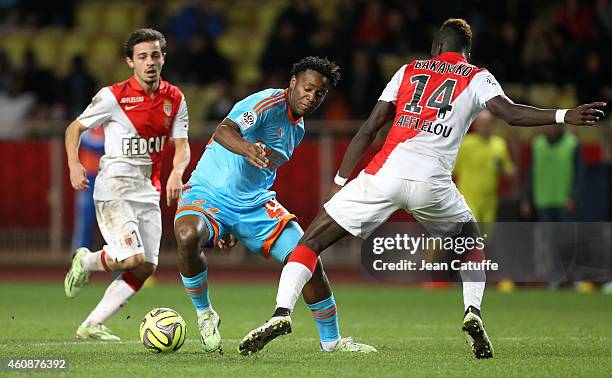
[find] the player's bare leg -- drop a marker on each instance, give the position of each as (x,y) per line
(84,262)
(191,234)
(298,271)
(473,290)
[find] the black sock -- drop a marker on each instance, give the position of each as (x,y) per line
(473,310)
(281,311)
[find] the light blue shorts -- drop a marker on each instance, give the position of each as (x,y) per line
(268,229)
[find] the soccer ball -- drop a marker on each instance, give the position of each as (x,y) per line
(162,330)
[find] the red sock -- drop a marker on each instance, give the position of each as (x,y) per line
(305,256)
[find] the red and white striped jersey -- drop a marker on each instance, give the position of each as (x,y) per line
(136,131)
(436,101)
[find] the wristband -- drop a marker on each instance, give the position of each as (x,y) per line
(339,180)
(560,115)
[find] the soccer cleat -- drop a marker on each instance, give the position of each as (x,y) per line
(208,322)
(96,332)
(257,339)
(477,336)
(77,276)
(346,344)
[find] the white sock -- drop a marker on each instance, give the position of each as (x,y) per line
(116,295)
(473,287)
(292,281)
(93,261)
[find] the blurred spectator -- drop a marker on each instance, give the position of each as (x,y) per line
(6,72)
(482,159)
(39,81)
(372,27)
(201,16)
(203,63)
(15,106)
(79,88)
(304,18)
(46,13)
(552,192)
(328,44)
(575,18)
(590,86)
(397,39)
(553,183)
(537,56)
(603,12)
(506,53)
(223,104)
(283,49)
(364,82)
(156,16)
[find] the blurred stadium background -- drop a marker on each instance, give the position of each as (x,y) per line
(55,55)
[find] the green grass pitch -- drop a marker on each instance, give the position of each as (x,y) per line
(417,333)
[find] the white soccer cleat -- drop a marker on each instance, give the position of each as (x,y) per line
(96,332)
(77,276)
(257,339)
(346,344)
(208,323)
(477,336)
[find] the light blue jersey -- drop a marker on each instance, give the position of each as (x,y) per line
(232,196)
(262,117)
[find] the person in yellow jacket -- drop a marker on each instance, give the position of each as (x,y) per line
(482,159)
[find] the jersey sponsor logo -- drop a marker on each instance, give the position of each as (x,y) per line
(131,100)
(137,146)
(130,107)
(167,107)
(424,125)
(247,119)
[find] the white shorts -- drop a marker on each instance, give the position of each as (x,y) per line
(130,228)
(368,201)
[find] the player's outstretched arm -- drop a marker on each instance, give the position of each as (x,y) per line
(228,135)
(383,111)
(524,115)
(78,175)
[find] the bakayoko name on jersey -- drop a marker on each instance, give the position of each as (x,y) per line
(442,67)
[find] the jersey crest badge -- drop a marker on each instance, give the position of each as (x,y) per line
(167,107)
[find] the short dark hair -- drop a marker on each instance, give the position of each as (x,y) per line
(144,35)
(456,35)
(323,66)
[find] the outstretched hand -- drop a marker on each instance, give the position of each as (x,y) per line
(586,114)
(227,241)
(256,155)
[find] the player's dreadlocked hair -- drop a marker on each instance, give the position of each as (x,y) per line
(323,66)
(456,35)
(143,35)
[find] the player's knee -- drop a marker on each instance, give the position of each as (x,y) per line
(145,270)
(188,237)
(133,262)
(312,243)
